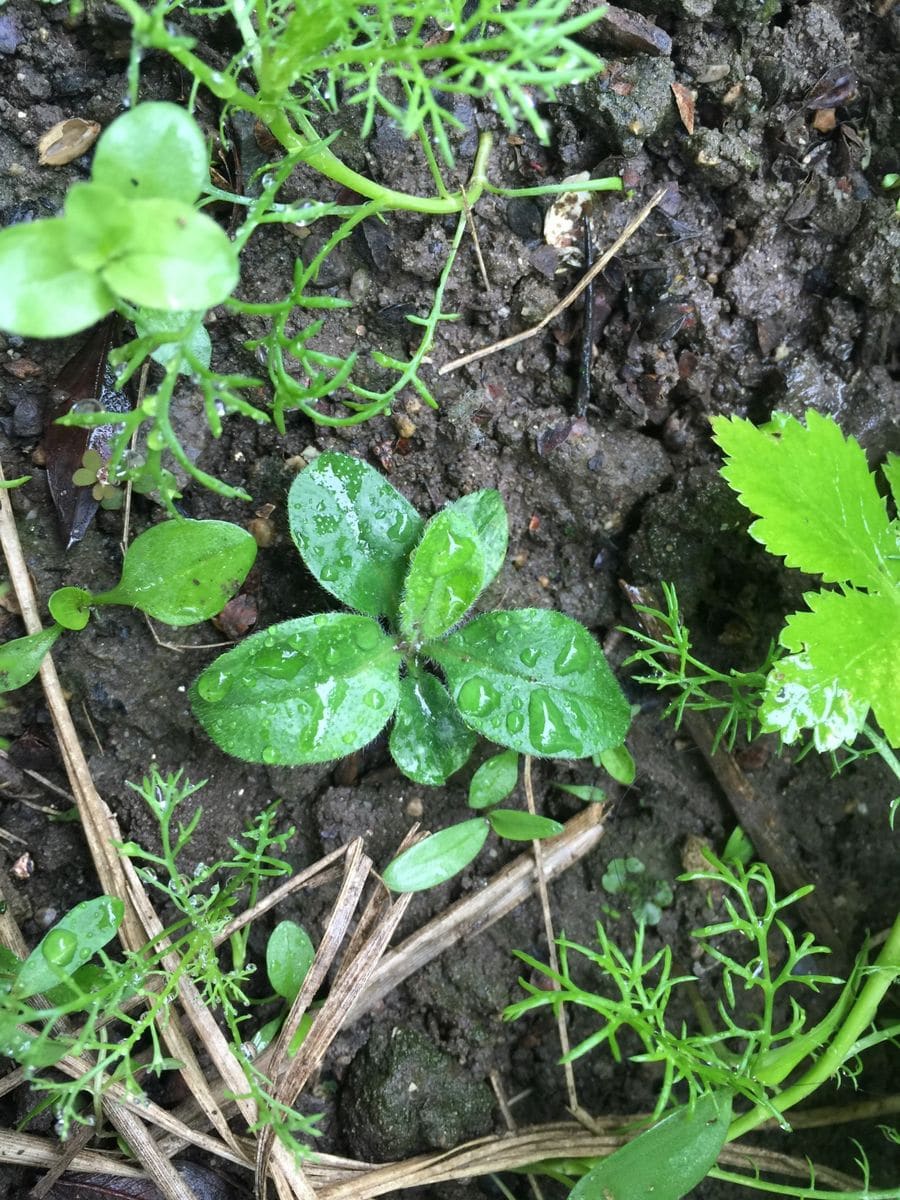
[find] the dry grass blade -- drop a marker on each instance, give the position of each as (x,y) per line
(26,1150)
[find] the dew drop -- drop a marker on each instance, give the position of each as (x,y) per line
(279,662)
(329,573)
(547,725)
(477,697)
(367,635)
(59,947)
(529,656)
(449,553)
(213,686)
(269,754)
(515,722)
(374,699)
(574,657)
(86,407)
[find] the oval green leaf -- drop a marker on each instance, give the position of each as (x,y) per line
(175,259)
(618,763)
(303,691)
(44,293)
(667,1161)
(535,681)
(71,607)
(289,955)
(20,659)
(522,826)
(149,321)
(74,939)
(494,779)
(354,530)
(182,572)
(157,150)
(99,224)
(446,576)
(438,858)
(429,741)
(487,512)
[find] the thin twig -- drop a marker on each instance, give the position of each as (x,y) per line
(628,232)
(470,221)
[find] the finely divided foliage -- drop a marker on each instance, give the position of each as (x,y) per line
(316,688)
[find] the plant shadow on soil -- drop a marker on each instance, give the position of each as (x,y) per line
(734,297)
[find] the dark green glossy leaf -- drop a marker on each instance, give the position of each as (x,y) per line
(429,741)
(303,691)
(71,607)
(494,780)
(438,858)
(157,150)
(487,512)
(446,576)
(522,826)
(289,955)
(354,530)
(74,939)
(535,681)
(175,258)
(45,294)
(20,659)
(182,572)
(618,763)
(667,1161)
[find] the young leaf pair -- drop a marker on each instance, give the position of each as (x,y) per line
(131,233)
(317,688)
(180,573)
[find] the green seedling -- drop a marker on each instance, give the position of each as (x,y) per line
(108,1008)
(819,506)
(644,896)
(133,239)
(180,573)
(289,955)
(890,183)
(755,1050)
(318,688)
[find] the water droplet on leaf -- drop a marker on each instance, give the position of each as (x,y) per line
(59,947)
(477,697)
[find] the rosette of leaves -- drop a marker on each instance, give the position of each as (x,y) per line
(319,687)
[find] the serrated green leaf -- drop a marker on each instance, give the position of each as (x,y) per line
(182,572)
(175,258)
(667,1161)
(155,151)
(20,659)
(535,681)
(429,741)
(70,607)
(494,780)
(522,826)
(304,691)
(487,512)
(74,939)
(437,858)
(853,639)
(815,497)
(446,576)
(891,469)
(354,530)
(44,294)
(796,698)
(289,955)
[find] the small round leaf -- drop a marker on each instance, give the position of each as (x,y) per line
(155,151)
(289,955)
(71,607)
(494,780)
(437,858)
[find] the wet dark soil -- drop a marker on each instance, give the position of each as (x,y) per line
(769,278)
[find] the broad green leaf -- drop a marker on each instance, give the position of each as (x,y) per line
(535,681)
(354,530)
(44,294)
(99,224)
(74,939)
(289,955)
(437,858)
(815,497)
(796,698)
(176,258)
(853,639)
(307,690)
(157,150)
(446,576)
(429,740)
(150,321)
(487,512)
(667,1161)
(494,780)
(522,826)
(20,659)
(618,763)
(182,572)
(71,607)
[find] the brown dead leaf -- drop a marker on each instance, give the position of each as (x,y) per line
(684,100)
